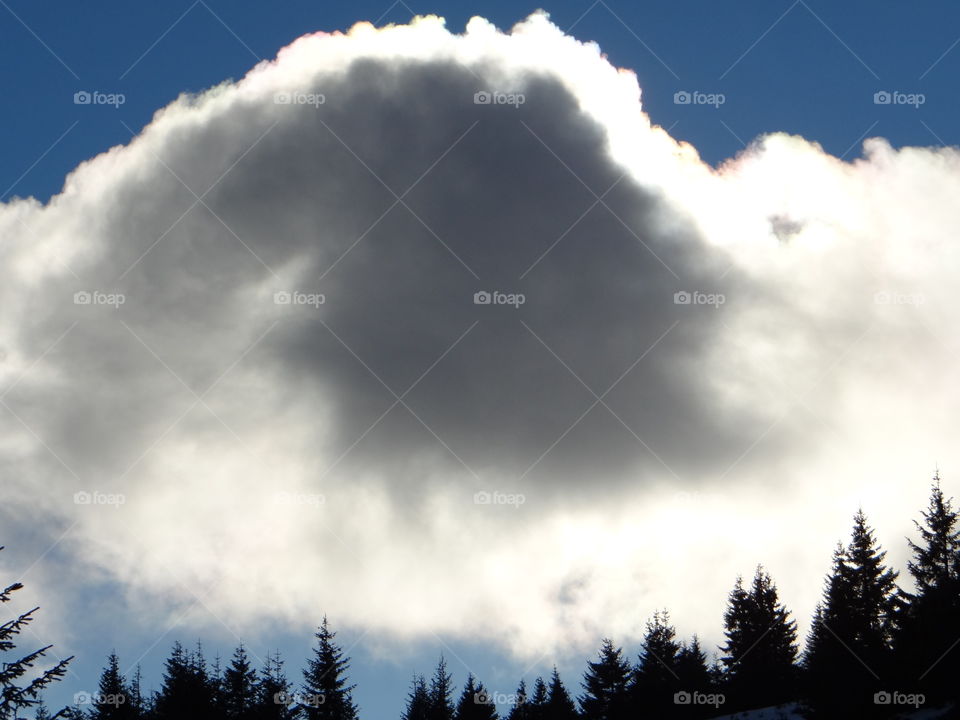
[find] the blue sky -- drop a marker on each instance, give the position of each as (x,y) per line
(804,67)
(810,67)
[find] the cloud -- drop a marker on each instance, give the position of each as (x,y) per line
(391,346)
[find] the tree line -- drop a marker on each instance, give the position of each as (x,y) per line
(874,649)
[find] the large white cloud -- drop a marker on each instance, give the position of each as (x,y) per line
(333,452)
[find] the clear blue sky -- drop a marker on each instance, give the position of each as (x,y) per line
(810,67)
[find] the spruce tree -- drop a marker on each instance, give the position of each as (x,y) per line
(875,593)
(537,702)
(692,668)
(605,683)
(239,687)
(418,700)
(849,646)
(174,694)
(209,683)
(17,692)
(930,622)
(327,696)
(441,693)
(827,660)
(694,676)
(114,696)
(137,701)
(187,692)
(760,651)
(655,677)
(475,702)
(519,708)
(274,692)
(936,561)
(559,705)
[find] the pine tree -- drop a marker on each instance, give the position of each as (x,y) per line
(875,593)
(559,705)
(173,696)
(239,687)
(692,668)
(441,693)
(694,675)
(418,700)
(760,651)
(827,659)
(274,693)
(137,702)
(655,677)
(187,692)
(849,646)
(520,708)
(327,694)
(931,620)
(113,700)
(209,683)
(16,693)
(537,703)
(475,702)
(936,563)
(605,683)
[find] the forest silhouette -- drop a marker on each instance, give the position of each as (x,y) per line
(874,650)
